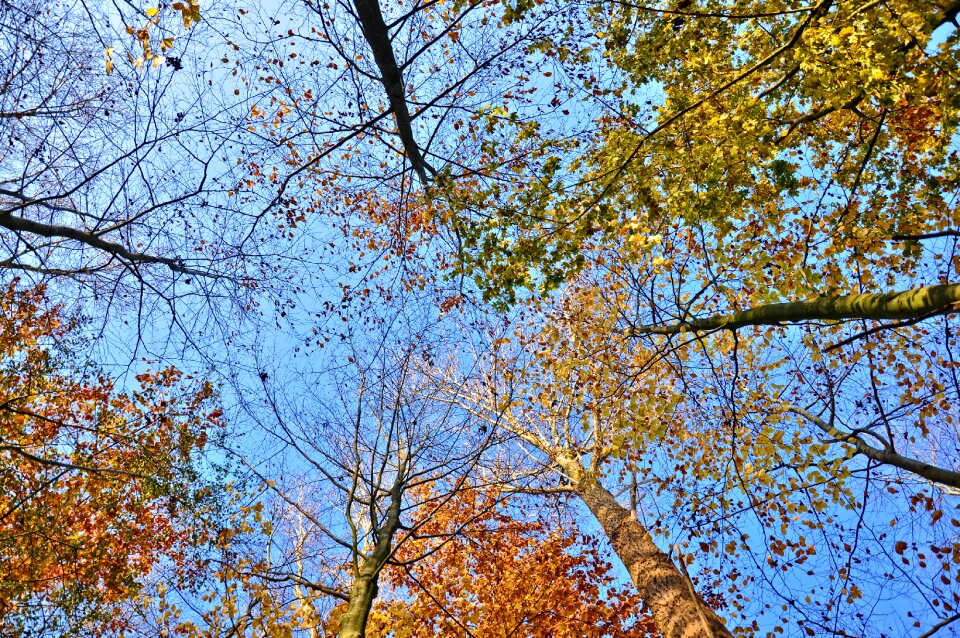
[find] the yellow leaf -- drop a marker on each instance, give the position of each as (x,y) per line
(152,11)
(109,55)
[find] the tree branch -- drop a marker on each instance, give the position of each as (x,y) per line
(887,457)
(922,236)
(940,625)
(16,449)
(23,225)
(377,35)
(323,589)
(908,304)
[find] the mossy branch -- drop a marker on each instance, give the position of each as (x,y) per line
(908,304)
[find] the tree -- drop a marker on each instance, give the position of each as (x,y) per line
(355,457)
(727,230)
(544,395)
(115,172)
(313,163)
(98,485)
(848,162)
(58,112)
(704,209)
(787,164)
(488,571)
(398,102)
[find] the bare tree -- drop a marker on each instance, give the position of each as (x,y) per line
(120,188)
(355,462)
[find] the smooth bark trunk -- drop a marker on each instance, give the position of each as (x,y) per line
(353,624)
(908,304)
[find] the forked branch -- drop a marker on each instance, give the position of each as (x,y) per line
(885,456)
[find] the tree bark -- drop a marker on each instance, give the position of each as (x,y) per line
(364,591)
(24,225)
(887,456)
(365,587)
(908,304)
(676,609)
(377,35)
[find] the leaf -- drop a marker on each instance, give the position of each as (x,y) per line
(497,571)
(94,474)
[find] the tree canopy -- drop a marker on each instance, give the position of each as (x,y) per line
(495,317)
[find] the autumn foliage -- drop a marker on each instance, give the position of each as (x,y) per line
(677,281)
(480,568)
(96,484)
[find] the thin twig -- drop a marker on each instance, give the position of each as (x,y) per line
(693,593)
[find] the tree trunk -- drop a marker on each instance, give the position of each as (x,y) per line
(377,34)
(365,587)
(353,623)
(676,609)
